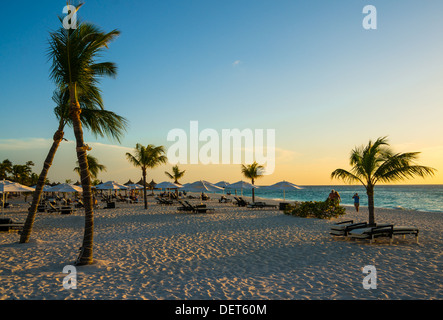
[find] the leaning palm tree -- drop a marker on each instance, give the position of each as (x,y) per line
(94,167)
(75,69)
(252,171)
(98,121)
(375,163)
(176,174)
(144,158)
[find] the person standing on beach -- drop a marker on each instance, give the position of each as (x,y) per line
(356,201)
(337,197)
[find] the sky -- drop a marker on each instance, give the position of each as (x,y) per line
(306,69)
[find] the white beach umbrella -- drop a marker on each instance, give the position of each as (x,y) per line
(283,185)
(240,185)
(134,186)
(65,187)
(9,186)
(202,186)
(45,187)
(168,185)
(222,184)
(111,185)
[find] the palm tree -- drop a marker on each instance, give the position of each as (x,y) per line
(74,69)
(375,163)
(144,158)
(176,174)
(98,121)
(252,171)
(5,168)
(94,167)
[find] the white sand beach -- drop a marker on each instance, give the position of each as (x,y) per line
(233,253)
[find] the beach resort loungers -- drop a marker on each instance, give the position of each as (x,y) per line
(7,225)
(164,201)
(364,231)
(371,233)
(240,202)
(67,210)
(186,206)
(110,205)
(344,227)
(261,205)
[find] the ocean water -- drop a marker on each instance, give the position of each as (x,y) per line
(410,197)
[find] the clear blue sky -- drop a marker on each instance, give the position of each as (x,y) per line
(306,68)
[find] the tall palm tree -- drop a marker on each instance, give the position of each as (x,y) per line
(5,168)
(94,167)
(375,163)
(252,171)
(98,121)
(176,174)
(144,158)
(75,69)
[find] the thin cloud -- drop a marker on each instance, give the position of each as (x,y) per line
(236,63)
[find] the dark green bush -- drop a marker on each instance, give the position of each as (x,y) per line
(316,209)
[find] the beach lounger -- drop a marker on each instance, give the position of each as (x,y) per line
(200,208)
(110,205)
(52,208)
(261,205)
(7,225)
(6,205)
(164,201)
(79,204)
(184,207)
(341,229)
(67,210)
(389,231)
(240,202)
(224,200)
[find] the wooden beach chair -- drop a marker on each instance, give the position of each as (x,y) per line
(162,201)
(67,210)
(240,202)
(389,231)
(110,205)
(200,208)
(51,208)
(184,206)
(7,225)
(261,205)
(341,229)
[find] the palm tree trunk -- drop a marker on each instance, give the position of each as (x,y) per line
(27,229)
(370,193)
(145,198)
(86,251)
(253,192)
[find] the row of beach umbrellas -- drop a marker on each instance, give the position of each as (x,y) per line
(198,186)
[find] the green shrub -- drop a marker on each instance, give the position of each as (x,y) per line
(316,209)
